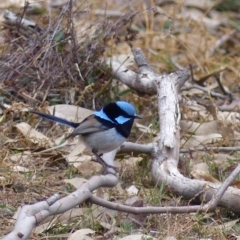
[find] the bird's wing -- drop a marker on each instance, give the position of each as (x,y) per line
(89,125)
(56,119)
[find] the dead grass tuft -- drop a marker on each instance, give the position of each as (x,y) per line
(48,62)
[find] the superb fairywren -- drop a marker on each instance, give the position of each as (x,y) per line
(104,130)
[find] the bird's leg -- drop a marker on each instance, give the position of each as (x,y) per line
(102,162)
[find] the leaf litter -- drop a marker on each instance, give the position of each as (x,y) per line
(40,65)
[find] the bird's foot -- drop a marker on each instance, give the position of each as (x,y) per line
(105,165)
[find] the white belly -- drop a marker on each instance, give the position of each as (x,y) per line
(105,141)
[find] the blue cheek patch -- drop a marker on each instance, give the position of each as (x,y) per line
(121,119)
(102,115)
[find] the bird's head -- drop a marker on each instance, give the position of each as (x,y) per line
(118,112)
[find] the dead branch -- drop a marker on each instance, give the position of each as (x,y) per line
(142,82)
(209,206)
(31,215)
(216,149)
(166,156)
(12,18)
(148,148)
(41,60)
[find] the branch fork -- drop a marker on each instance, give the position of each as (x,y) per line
(164,153)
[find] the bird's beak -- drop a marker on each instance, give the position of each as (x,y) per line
(136,116)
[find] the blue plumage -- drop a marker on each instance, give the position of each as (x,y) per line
(122,120)
(57,119)
(127,107)
(102,114)
(104,130)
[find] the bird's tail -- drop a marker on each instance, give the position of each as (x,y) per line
(56,119)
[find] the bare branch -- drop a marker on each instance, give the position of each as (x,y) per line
(143,81)
(222,189)
(210,206)
(217,149)
(31,215)
(137,148)
(141,61)
(12,18)
(166,153)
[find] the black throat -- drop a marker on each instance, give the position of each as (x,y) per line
(125,128)
(113,111)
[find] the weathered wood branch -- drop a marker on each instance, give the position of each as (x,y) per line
(166,156)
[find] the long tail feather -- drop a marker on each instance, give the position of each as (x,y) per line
(56,119)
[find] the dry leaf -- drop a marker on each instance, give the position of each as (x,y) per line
(236,184)
(72,213)
(45,226)
(135,201)
(20,169)
(81,234)
(132,190)
(35,136)
(3,139)
(199,128)
(145,129)
(137,237)
(129,163)
(125,60)
(200,17)
(101,193)
(226,226)
(201,175)
(193,92)
(88,168)
(221,159)
(76,182)
(50,221)
(70,112)
(195,141)
(201,167)
(21,158)
(2,180)
(232,117)
(203,4)
(119,188)
(75,157)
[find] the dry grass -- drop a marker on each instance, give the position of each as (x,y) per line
(38,67)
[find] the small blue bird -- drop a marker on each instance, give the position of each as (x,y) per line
(104,130)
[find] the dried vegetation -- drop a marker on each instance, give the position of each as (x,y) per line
(60,60)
